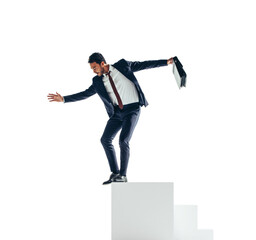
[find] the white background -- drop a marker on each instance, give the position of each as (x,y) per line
(201,137)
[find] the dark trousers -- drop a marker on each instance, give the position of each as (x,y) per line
(126,120)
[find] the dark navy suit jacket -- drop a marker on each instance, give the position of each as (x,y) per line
(127,69)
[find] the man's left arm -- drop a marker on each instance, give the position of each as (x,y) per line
(138,66)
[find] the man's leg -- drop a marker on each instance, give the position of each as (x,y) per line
(114,124)
(129,123)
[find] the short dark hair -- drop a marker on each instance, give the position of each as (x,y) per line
(96,57)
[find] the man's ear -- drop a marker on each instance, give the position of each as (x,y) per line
(102,64)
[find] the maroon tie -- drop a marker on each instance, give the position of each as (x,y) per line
(120,104)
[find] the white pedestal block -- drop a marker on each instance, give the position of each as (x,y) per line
(185,224)
(185,220)
(142,211)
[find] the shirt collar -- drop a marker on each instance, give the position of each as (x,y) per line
(111,68)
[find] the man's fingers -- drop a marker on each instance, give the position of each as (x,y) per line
(170,61)
(52,100)
(50,96)
(54,97)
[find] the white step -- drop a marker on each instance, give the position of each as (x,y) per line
(145,211)
(185,224)
(142,211)
(185,219)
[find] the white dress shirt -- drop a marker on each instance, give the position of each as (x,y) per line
(125,87)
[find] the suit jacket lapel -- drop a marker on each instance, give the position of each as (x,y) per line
(121,69)
(125,71)
(100,88)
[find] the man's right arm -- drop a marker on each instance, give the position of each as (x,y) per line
(72,98)
(80,96)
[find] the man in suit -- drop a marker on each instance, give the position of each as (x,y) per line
(122,96)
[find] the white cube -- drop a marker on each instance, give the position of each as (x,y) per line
(142,211)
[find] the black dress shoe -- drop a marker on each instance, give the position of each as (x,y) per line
(120,178)
(110,180)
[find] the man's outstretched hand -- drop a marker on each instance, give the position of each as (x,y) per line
(170,61)
(55,97)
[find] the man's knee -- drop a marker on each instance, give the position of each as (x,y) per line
(123,143)
(105,141)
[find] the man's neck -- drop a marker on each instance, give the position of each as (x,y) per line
(106,68)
